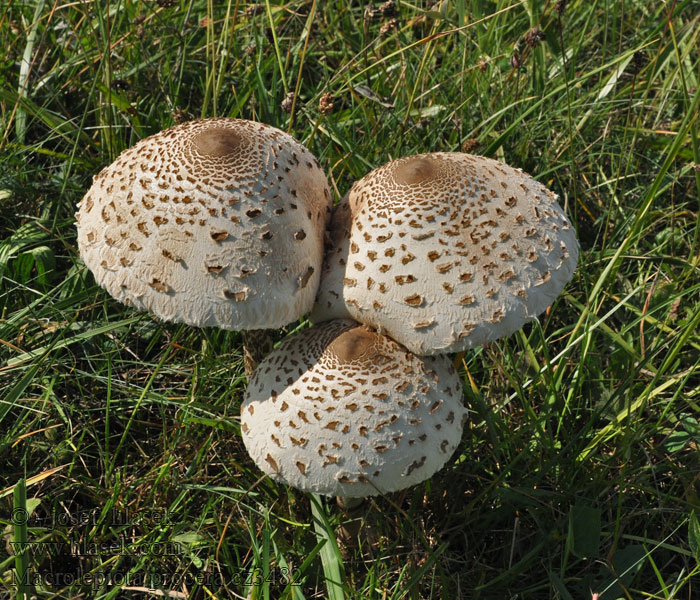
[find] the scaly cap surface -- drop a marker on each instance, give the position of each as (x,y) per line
(215,222)
(339,409)
(446,251)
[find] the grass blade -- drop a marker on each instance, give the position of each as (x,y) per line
(25,67)
(330,553)
(20,543)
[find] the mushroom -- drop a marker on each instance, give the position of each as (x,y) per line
(446,251)
(340,410)
(214,222)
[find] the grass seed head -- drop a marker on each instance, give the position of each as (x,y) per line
(388,9)
(389,26)
(325,104)
(288,102)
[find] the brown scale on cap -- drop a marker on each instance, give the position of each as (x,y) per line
(429,216)
(377,397)
(177,218)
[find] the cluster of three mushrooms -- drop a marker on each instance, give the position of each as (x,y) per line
(220,222)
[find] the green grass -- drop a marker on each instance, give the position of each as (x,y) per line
(579,471)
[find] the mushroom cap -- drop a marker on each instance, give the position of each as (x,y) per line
(445,251)
(215,222)
(339,409)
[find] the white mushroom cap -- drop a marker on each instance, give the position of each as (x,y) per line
(446,251)
(341,410)
(215,222)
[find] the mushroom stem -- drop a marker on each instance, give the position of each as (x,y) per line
(257,344)
(348,504)
(351,510)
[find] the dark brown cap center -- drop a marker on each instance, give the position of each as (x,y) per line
(218,141)
(415,170)
(352,344)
